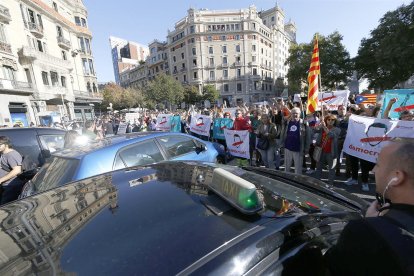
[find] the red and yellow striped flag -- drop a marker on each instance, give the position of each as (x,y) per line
(313,79)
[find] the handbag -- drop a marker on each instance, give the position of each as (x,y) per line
(262,143)
(317,152)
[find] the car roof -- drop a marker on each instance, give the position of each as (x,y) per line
(119,140)
(40,130)
(158,219)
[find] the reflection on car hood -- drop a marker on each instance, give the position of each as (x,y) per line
(150,219)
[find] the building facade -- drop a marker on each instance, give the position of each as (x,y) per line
(47,67)
(240,52)
(126,55)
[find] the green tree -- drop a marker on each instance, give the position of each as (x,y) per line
(210,93)
(387,56)
(121,98)
(191,95)
(336,64)
(165,89)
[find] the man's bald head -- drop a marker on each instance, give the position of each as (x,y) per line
(402,156)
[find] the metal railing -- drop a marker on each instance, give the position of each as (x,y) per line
(5,47)
(4,12)
(35,27)
(63,41)
(16,85)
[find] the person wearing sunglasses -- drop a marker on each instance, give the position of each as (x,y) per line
(328,141)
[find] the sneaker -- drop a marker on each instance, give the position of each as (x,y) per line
(365,187)
(310,171)
(351,182)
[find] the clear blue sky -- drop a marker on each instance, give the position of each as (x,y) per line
(144,21)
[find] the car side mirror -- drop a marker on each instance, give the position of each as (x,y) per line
(46,154)
(200,149)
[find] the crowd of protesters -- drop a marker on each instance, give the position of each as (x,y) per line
(284,126)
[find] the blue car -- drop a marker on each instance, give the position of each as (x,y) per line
(121,151)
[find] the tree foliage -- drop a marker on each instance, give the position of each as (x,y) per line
(336,64)
(191,95)
(387,56)
(210,93)
(165,89)
(121,98)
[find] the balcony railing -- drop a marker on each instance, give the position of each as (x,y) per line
(63,42)
(224,65)
(183,69)
(87,94)
(36,29)
(4,47)
(5,16)
(238,63)
(16,86)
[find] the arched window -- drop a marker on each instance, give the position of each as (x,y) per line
(94,88)
(88,86)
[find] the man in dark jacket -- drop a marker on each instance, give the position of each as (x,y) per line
(383,242)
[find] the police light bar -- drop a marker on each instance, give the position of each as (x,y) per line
(240,193)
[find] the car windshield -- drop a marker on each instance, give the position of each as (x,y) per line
(280,193)
(57,172)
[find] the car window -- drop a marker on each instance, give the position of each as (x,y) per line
(52,142)
(142,153)
(25,142)
(57,172)
(177,145)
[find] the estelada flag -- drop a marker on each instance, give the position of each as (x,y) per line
(313,79)
(366,99)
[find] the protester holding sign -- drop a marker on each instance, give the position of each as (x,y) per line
(241,123)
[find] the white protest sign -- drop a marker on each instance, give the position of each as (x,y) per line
(332,100)
(366,136)
(132,117)
(200,124)
(296,98)
(238,142)
(163,122)
(122,128)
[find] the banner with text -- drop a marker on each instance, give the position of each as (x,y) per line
(237,142)
(200,124)
(230,110)
(332,100)
(366,136)
(219,125)
(164,122)
(132,117)
(405,101)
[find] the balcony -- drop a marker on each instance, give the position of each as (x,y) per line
(86,95)
(210,66)
(16,86)
(253,63)
(183,69)
(238,63)
(63,42)
(224,65)
(31,54)
(211,79)
(226,78)
(6,48)
(255,77)
(36,29)
(5,16)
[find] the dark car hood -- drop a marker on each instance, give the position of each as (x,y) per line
(148,218)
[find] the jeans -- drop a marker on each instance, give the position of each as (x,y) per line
(297,157)
(330,160)
(268,156)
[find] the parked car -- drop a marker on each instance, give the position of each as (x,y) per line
(121,151)
(36,143)
(177,218)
